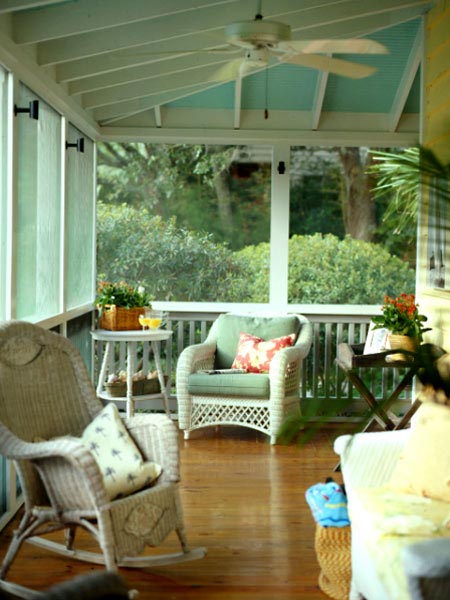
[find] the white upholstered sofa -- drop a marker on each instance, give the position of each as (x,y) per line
(387,565)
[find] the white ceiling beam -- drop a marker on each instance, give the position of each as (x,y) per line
(115,60)
(137,105)
(319,96)
(157,85)
(106,63)
(12,5)
(206,21)
(132,74)
(91,15)
(24,68)
(240,136)
(391,13)
(407,80)
(158,116)
(358,26)
(237,102)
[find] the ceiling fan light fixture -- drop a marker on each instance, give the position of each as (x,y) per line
(255,57)
(257,32)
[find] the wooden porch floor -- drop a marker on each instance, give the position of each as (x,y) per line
(244,500)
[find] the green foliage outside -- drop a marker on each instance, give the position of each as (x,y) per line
(198,184)
(326,270)
(173,263)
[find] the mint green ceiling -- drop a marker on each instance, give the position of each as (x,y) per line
(143,66)
(292,87)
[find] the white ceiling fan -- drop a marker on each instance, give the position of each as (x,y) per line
(261,39)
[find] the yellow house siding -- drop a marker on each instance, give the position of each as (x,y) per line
(435,303)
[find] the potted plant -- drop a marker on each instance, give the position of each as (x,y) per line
(403,321)
(120,305)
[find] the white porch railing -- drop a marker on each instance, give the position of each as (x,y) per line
(324,391)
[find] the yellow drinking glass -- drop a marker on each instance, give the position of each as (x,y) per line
(145,319)
(154,318)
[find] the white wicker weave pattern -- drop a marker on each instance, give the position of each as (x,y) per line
(262,414)
(45,393)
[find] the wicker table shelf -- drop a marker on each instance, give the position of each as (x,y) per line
(131,338)
(351,359)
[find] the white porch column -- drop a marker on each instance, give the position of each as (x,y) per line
(279,226)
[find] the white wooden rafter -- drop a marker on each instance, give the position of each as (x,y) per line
(152,52)
(84,16)
(207,24)
(7,6)
(407,80)
(158,116)
(237,102)
(176,65)
(319,96)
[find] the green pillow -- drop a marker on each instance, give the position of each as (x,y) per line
(230,327)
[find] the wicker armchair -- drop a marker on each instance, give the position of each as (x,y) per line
(258,401)
(46,393)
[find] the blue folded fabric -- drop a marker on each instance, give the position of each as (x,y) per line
(328,504)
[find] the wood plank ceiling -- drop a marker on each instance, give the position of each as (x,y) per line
(130,69)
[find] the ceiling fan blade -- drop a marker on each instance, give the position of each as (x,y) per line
(349,46)
(333,65)
(229,71)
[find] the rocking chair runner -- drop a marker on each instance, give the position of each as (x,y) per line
(46,393)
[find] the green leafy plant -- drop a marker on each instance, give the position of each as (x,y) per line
(401,316)
(121,294)
(403,173)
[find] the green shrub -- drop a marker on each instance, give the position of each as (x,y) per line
(326,270)
(172,263)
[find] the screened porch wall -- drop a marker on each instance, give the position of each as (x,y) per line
(47,231)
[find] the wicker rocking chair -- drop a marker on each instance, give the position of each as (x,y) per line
(259,401)
(46,394)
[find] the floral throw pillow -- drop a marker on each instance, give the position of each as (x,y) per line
(255,355)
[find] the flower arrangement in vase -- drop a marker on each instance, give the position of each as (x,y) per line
(402,319)
(120,305)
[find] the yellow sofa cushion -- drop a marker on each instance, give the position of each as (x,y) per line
(424,464)
(388,521)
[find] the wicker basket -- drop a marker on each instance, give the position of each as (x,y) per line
(117,318)
(332,545)
(118,389)
(152,386)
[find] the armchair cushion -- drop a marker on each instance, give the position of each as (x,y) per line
(230,327)
(255,354)
(118,457)
(252,385)
(424,464)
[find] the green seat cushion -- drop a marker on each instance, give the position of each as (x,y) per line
(229,328)
(251,385)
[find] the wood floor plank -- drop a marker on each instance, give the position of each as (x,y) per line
(244,500)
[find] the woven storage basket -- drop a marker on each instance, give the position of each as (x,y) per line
(117,318)
(152,386)
(118,389)
(332,545)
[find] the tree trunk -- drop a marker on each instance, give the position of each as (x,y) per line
(223,193)
(358,206)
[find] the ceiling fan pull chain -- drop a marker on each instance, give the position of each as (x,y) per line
(266,109)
